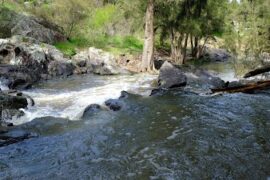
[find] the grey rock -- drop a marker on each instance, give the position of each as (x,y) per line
(12,102)
(91,110)
(24,64)
(171,77)
(98,62)
(57,68)
(158,64)
(114,104)
(9,114)
(213,54)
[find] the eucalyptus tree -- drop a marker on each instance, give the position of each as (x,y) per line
(182,22)
(149,38)
(249,25)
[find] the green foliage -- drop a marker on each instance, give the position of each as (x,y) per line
(66,13)
(102,16)
(248,27)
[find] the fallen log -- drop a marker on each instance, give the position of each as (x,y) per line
(257,71)
(246,88)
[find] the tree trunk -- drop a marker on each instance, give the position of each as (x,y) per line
(246,88)
(196,48)
(191,42)
(257,71)
(176,45)
(184,49)
(148,49)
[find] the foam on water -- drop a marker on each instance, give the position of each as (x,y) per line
(71,104)
(3,86)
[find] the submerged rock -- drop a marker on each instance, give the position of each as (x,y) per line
(124,95)
(171,77)
(14,136)
(114,104)
(91,110)
(157,91)
(47,125)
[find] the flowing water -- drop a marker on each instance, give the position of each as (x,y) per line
(178,135)
(67,98)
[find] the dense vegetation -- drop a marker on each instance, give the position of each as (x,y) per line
(181,27)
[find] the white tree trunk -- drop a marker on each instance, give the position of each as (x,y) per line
(148,49)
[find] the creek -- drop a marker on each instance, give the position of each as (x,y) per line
(178,135)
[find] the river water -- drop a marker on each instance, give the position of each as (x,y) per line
(178,135)
(67,98)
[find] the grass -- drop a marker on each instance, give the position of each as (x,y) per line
(114,44)
(12,6)
(67,48)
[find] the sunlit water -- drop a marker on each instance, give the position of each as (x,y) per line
(178,135)
(224,70)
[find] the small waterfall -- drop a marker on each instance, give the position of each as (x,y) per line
(68,98)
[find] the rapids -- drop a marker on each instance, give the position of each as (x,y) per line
(69,97)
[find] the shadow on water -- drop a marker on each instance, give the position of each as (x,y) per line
(178,135)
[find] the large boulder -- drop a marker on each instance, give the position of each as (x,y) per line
(201,79)
(194,79)
(23,63)
(58,68)
(98,62)
(17,77)
(12,23)
(171,76)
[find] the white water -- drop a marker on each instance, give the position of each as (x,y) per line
(69,97)
(3,87)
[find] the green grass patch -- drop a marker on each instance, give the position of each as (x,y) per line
(127,44)
(67,48)
(12,6)
(114,44)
